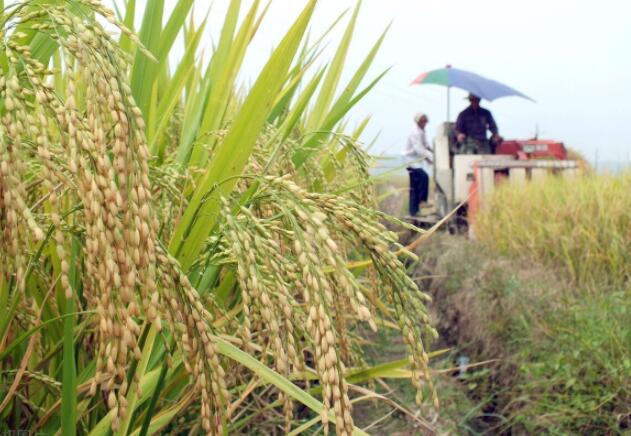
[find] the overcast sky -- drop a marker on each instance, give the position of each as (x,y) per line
(571,56)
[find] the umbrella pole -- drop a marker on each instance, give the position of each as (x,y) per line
(448,101)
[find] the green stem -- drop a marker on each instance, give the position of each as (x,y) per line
(132,396)
(68,399)
(69,375)
(156,394)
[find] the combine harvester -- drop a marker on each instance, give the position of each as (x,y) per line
(471,178)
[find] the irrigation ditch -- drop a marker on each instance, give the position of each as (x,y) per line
(470,374)
(475,367)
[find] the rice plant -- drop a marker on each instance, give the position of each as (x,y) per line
(580,225)
(567,333)
(177,255)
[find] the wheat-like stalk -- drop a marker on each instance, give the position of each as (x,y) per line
(94,228)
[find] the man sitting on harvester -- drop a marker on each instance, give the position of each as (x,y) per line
(471,127)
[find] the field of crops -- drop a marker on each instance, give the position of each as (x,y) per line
(183,254)
(543,297)
(178,252)
(581,226)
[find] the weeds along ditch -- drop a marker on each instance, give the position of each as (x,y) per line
(543,296)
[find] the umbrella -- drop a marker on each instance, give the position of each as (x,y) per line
(484,88)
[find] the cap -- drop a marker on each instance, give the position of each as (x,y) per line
(472,95)
(418,117)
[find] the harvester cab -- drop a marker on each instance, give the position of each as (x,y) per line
(470,178)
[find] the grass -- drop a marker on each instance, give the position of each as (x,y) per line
(580,225)
(545,291)
(456,414)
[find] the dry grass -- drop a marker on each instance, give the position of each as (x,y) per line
(581,225)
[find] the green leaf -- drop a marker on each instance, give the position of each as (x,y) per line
(130,15)
(172,93)
(291,122)
(192,116)
(329,169)
(152,112)
(155,394)
(332,78)
(223,76)
(69,385)
(272,377)
(144,71)
(141,368)
(172,29)
(344,102)
(201,111)
(314,141)
(162,419)
(9,313)
(148,384)
(231,156)
(24,336)
(359,75)
(292,119)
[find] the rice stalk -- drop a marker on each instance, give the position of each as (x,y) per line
(159,266)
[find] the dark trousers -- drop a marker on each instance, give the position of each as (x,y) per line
(419,187)
(476,146)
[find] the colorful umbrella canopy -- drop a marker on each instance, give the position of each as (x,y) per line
(484,88)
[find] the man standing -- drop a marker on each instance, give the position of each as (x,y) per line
(471,127)
(419,156)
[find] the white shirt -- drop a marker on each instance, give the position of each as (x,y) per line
(418,151)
